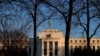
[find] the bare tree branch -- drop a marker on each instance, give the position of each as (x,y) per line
(95,31)
(43,20)
(56,9)
(81,23)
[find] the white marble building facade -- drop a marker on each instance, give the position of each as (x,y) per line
(52,43)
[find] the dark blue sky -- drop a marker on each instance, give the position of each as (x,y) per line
(56,19)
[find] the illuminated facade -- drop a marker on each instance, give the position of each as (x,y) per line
(81,43)
(49,43)
(52,43)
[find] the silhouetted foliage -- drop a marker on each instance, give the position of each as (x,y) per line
(14,52)
(84,52)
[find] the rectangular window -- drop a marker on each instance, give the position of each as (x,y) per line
(75,46)
(84,40)
(45,48)
(93,47)
(71,41)
(93,41)
(50,46)
(71,47)
(56,48)
(85,47)
(56,51)
(45,45)
(80,41)
(45,51)
(75,41)
(98,47)
(97,41)
(50,54)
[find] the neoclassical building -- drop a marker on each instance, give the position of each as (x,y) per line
(52,43)
(49,43)
(81,42)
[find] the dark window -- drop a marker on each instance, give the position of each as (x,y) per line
(50,46)
(45,45)
(84,40)
(80,46)
(98,47)
(56,44)
(71,50)
(45,48)
(71,41)
(48,35)
(84,46)
(94,47)
(75,41)
(93,41)
(56,51)
(80,41)
(45,51)
(50,54)
(75,46)
(97,41)
(56,48)
(71,46)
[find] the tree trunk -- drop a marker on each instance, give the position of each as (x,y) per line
(88,43)
(35,32)
(66,45)
(88,29)
(68,27)
(88,26)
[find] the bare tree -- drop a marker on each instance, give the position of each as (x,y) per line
(67,17)
(31,6)
(91,16)
(8,31)
(10,27)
